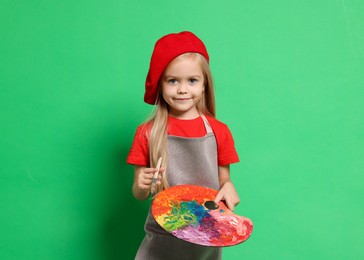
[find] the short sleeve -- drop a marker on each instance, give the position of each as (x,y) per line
(226,151)
(226,148)
(139,152)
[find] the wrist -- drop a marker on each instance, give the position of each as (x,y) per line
(140,194)
(222,183)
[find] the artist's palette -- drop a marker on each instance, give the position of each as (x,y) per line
(189,213)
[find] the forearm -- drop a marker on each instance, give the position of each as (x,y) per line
(140,194)
(224,175)
(227,190)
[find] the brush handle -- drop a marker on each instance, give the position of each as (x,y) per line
(155,177)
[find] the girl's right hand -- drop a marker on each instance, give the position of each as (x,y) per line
(143,178)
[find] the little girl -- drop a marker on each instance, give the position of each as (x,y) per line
(195,147)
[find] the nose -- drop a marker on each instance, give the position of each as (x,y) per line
(182,88)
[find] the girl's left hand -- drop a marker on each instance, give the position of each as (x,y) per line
(229,194)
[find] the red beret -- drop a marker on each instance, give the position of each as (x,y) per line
(165,50)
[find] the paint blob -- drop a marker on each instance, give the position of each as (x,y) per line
(181,211)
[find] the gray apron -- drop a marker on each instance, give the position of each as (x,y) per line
(190,161)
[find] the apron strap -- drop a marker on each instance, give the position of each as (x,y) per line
(206,123)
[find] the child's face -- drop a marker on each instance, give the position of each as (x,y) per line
(183,86)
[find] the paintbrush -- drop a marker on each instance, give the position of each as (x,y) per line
(155,177)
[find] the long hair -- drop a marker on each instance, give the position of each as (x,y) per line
(159,119)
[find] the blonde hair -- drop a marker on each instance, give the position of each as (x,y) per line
(159,119)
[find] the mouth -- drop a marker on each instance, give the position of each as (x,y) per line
(181,99)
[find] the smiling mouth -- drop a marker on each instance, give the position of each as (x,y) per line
(182,99)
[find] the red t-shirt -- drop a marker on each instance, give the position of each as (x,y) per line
(139,152)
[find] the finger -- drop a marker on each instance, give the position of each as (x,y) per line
(230,205)
(145,183)
(218,197)
(145,187)
(150,170)
(146,178)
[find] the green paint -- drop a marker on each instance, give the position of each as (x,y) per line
(180,216)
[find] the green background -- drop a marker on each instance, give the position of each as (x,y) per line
(289,83)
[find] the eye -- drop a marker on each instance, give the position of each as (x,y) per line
(192,81)
(172,81)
